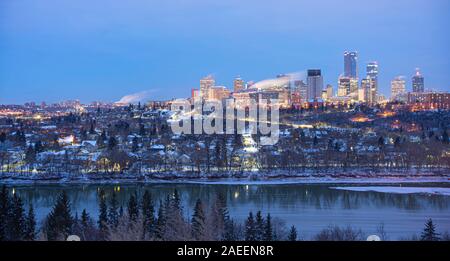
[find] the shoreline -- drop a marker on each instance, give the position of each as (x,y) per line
(237,181)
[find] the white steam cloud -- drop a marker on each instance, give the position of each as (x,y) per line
(280,81)
(137,97)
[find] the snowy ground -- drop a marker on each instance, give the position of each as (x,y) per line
(400,190)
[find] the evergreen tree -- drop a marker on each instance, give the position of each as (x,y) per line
(135,144)
(250,229)
(219,217)
(85,219)
(160,223)
(429,232)
(259,227)
(133,210)
(268,234)
(38,146)
(87,227)
(176,202)
(103,214)
(30,225)
(4,213)
(92,129)
(176,227)
(17,220)
(198,221)
(292,234)
(381,141)
(30,155)
(445,137)
(59,222)
(2,137)
(148,214)
(112,143)
(113,214)
(230,231)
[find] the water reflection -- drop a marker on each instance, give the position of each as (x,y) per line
(310,207)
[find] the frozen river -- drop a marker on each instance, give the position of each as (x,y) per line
(403,210)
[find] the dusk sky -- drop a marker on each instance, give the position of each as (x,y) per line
(51,50)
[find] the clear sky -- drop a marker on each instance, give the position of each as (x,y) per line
(52,50)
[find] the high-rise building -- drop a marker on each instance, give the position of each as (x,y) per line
(343,86)
(329,90)
(368,90)
(302,89)
(347,86)
(327,93)
(418,83)
(372,75)
(238,84)
(315,84)
(195,95)
(398,88)
(205,85)
(218,93)
(351,64)
(372,70)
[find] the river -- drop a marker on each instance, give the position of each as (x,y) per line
(310,207)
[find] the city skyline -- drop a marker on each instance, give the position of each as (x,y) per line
(102,54)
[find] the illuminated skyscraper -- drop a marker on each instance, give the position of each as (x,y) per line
(205,85)
(418,84)
(372,74)
(329,91)
(351,64)
(368,90)
(347,86)
(372,70)
(398,88)
(238,84)
(315,84)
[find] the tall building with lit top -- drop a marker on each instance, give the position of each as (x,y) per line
(351,64)
(368,90)
(418,82)
(205,85)
(398,88)
(347,86)
(372,74)
(238,84)
(315,84)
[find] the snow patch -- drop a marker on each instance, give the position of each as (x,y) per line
(399,190)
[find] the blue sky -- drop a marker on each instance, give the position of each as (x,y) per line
(52,50)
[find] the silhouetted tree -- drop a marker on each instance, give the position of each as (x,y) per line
(259,226)
(112,143)
(16,224)
(4,213)
(133,210)
(59,222)
(113,214)
(292,234)
(148,214)
(268,230)
(198,221)
(161,222)
(30,224)
(250,230)
(429,232)
(103,214)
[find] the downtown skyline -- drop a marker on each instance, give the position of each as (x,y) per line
(100,53)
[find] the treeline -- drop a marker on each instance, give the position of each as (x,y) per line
(144,219)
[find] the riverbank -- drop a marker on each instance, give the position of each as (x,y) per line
(305,176)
